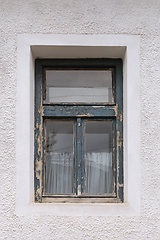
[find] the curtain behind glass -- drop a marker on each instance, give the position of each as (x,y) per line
(98,172)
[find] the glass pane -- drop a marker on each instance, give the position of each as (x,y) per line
(98,157)
(59,157)
(79,86)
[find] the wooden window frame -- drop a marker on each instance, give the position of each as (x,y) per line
(106,111)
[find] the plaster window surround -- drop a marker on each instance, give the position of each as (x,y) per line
(33,46)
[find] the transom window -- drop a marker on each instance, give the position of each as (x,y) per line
(78,130)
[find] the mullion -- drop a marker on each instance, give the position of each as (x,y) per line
(79,157)
(75,159)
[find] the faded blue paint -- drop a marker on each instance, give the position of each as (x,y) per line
(78,112)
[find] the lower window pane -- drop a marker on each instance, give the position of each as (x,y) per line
(98,157)
(59,157)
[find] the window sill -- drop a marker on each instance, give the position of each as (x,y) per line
(80,199)
(78,209)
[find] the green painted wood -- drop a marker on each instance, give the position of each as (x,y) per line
(75,158)
(90,63)
(79,156)
(82,157)
(119,128)
(114,164)
(38,135)
(79,112)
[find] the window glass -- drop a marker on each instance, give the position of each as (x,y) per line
(59,157)
(79,86)
(98,157)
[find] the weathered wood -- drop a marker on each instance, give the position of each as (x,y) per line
(38,161)
(79,112)
(80,200)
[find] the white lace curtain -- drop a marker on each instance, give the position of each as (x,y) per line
(98,173)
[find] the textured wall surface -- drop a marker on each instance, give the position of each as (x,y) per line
(82,17)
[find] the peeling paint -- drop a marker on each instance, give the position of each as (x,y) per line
(120,116)
(99,106)
(119,140)
(115,108)
(85,115)
(80,112)
(79,190)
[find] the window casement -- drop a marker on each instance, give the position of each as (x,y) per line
(78,130)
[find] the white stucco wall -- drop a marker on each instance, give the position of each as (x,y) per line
(125,17)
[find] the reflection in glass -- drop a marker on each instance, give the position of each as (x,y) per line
(98,157)
(59,157)
(79,86)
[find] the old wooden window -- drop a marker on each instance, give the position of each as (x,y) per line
(78,130)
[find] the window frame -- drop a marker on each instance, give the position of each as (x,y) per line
(103,111)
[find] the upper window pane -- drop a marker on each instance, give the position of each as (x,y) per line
(83,86)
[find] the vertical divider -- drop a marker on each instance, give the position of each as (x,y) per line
(79,156)
(83,163)
(75,158)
